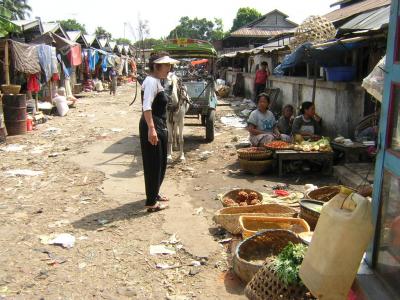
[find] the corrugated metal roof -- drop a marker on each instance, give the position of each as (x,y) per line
(27,24)
(254,32)
(74,35)
(50,26)
(371,20)
(355,9)
(90,38)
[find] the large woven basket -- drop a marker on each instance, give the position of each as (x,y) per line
(260,153)
(250,225)
(257,167)
(252,252)
(10,88)
(326,193)
(234,194)
(311,216)
(266,285)
(228,217)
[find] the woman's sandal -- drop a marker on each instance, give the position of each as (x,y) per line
(162,198)
(157,207)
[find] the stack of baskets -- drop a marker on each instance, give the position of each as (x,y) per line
(255,160)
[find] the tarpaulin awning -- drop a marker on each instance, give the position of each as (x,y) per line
(199,62)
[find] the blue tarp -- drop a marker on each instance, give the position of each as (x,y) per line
(329,56)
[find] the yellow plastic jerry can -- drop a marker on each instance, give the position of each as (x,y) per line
(342,234)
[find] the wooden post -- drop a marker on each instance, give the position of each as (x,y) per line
(6,63)
(314,82)
(37,102)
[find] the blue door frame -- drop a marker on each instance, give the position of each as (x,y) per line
(387,159)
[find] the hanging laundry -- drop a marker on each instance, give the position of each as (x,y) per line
(104,63)
(33,83)
(25,58)
(93,59)
(54,63)
(45,60)
(65,69)
(75,55)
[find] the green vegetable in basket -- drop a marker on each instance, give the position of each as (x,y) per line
(287,263)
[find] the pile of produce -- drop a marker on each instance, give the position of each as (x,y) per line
(278,145)
(322,145)
(287,263)
(243,199)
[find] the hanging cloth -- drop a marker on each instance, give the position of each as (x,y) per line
(25,58)
(45,60)
(65,69)
(33,83)
(75,55)
(104,63)
(93,59)
(54,63)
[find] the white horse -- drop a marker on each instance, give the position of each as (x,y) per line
(176,111)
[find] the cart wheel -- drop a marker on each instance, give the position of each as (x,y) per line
(210,125)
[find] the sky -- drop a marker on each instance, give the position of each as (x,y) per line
(163,16)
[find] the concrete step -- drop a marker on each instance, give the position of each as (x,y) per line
(354,175)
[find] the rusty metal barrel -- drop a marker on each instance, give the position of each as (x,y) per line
(14,109)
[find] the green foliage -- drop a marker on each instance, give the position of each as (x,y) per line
(149,43)
(19,8)
(196,28)
(245,15)
(287,263)
(72,25)
(123,41)
(101,33)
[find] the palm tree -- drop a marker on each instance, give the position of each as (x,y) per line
(19,8)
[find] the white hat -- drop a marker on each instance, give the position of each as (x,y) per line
(166,60)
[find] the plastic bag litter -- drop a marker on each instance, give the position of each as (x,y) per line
(374,82)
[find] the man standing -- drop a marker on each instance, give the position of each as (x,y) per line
(261,79)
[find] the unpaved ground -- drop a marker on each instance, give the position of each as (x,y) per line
(92,187)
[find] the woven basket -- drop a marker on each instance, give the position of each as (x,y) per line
(228,217)
(234,194)
(252,252)
(256,167)
(250,225)
(309,215)
(261,154)
(326,193)
(10,88)
(266,285)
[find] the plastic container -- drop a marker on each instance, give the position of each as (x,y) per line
(340,239)
(340,73)
(29,124)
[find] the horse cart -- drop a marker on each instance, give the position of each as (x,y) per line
(196,72)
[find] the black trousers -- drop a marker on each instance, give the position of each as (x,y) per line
(259,88)
(154,158)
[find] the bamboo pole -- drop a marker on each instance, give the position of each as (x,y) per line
(6,63)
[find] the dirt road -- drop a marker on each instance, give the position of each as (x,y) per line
(90,184)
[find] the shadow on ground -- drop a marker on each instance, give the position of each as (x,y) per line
(133,210)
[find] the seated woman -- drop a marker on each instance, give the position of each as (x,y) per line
(285,122)
(307,125)
(262,123)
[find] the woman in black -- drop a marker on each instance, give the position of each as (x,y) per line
(153,129)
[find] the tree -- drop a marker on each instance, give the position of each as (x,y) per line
(72,25)
(149,43)
(201,29)
(123,41)
(19,8)
(245,15)
(100,32)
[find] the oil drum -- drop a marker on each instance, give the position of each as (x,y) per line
(14,109)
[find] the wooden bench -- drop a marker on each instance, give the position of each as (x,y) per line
(282,155)
(351,153)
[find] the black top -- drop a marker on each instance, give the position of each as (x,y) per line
(159,105)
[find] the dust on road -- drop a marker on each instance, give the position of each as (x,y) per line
(92,188)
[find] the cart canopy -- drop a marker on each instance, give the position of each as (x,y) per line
(188,48)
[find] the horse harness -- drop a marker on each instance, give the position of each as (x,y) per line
(182,98)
